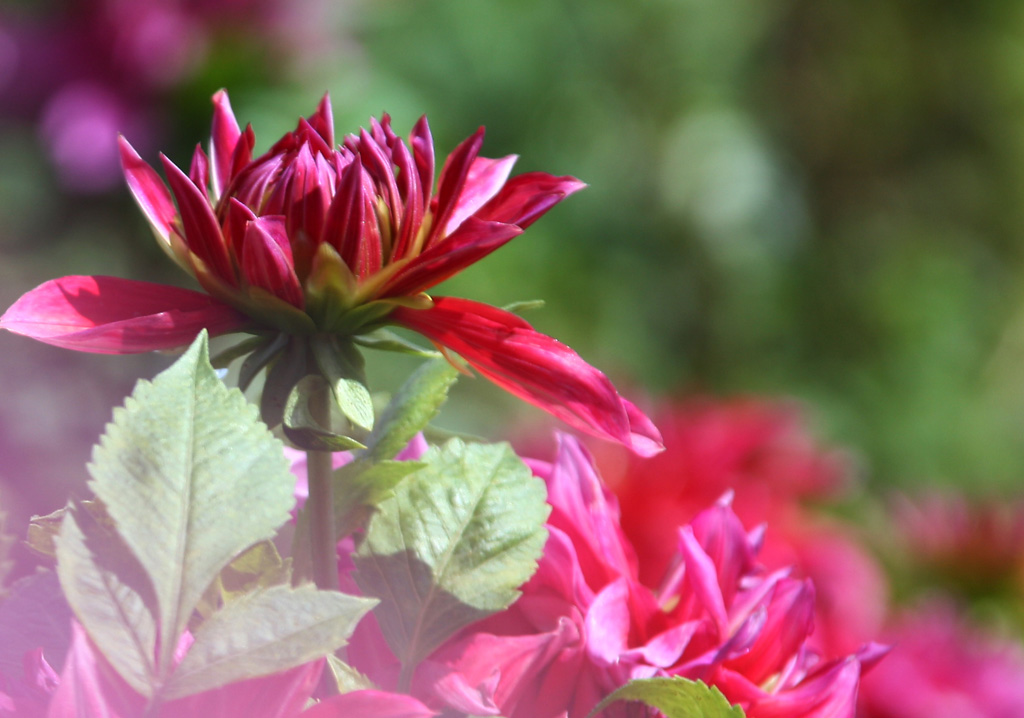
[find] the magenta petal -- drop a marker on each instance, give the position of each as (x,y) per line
(470,243)
(526,363)
(348,228)
(526,197)
(369,704)
(90,687)
(453,179)
(223,139)
(107,315)
(199,170)
(608,622)
(423,152)
(202,232)
(280,695)
(483,181)
(148,190)
(267,260)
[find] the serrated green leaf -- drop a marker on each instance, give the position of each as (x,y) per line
(346,678)
(675,697)
(342,366)
(304,429)
(410,410)
(453,545)
(360,486)
(43,530)
(265,632)
(111,596)
(389,341)
(191,478)
(34,615)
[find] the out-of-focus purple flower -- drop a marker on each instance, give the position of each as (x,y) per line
(942,667)
(85,70)
(29,697)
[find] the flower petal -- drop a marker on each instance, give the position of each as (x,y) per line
(483,181)
(149,191)
(107,315)
(351,225)
(528,364)
(267,259)
(470,243)
(526,197)
(453,179)
(202,231)
(223,139)
(369,704)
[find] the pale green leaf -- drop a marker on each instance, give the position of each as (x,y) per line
(387,340)
(304,428)
(265,632)
(191,478)
(453,545)
(360,486)
(346,678)
(341,365)
(675,697)
(110,595)
(410,410)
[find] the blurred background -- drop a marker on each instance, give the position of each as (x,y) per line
(821,202)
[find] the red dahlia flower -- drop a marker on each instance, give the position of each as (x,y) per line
(334,242)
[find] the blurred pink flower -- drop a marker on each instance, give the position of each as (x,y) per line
(969,546)
(942,667)
(88,686)
(584,624)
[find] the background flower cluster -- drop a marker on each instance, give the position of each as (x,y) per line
(802,238)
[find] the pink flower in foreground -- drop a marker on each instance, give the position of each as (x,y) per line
(941,667)
(317,239)
(88,686)
(584,624)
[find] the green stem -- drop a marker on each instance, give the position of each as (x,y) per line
(322,537)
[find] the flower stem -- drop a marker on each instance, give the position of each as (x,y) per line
(322,538)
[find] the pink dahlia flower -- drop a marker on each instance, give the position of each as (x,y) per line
(314,238)
(585,625)
(942,667)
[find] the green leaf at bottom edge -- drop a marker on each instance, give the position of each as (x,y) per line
(675,697)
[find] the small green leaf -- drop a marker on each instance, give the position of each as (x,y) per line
(528,305)
(191,478)
(34,615)
(111,596)
(360,486)
(287,369)
(453,545)
(675,697)
(346,678)
(411,409)
(387,340)
(342,366)
(265,632)
(303,429)
(223,358)
(267,350)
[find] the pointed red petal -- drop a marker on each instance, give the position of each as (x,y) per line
(323,120)
(423,152)
(470,243)
(199,170)
(485,178)
(267,260)
(306,205)
(107,315)
(89,686)
(453,179)
(202,232)
(224,136)
(530,365)
(279,695)
(351,226)
(526,197)
(148,190)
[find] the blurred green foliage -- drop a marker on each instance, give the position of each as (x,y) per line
(786,197)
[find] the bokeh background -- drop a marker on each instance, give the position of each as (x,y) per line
(817,201)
